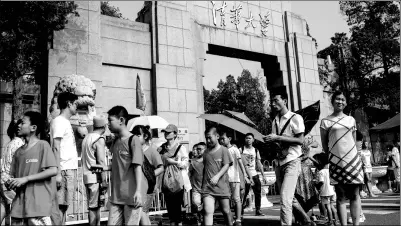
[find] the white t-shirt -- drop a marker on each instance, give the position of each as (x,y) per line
(61,128)
(233,170)
(327,189)
(251,157)
(295,126)
(366,155)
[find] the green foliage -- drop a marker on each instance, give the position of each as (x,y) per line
(243,95)
(367,64)
(26,30)
(109,10)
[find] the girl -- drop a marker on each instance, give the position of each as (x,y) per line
(338,134)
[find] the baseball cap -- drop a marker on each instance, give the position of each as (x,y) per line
(170,128)
(99,121)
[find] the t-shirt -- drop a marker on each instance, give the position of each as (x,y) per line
(366,155)
(295,126)
(154,158)
(251,156)
(123,184)
(326,189)
(196,174)
(89,157)
(8,156)
(61,128)
(213,162)
(233,170)
(35,198)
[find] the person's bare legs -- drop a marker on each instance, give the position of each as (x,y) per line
(94,217)
(208,207)
(333,211)
(355,209)
(225,209)
(144,219)
(329,213)
(2,212)
(342,211)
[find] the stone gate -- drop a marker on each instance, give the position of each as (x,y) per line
(167,47)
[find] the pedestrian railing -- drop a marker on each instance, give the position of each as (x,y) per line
(78,211)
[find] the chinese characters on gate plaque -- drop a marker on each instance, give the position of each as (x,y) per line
(236,17)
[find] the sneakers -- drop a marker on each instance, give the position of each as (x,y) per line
(372,196)
(362,219)
(258,213)
(389,191)
(237,222)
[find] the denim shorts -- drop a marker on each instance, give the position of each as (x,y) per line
(92,195)
(67,190)
(148,203)
(31,221)
(124,215)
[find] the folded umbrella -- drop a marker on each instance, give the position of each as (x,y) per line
(233,124)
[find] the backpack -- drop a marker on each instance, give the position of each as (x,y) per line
(172,179)
(148,170)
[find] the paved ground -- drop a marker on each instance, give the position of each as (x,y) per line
(383,210)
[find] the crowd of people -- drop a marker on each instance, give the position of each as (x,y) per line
(38,178)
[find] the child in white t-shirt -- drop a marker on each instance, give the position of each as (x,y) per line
(327,193)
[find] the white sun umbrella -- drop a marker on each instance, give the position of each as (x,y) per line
(153,121)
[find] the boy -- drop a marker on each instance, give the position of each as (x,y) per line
(215,186)
(196,174)
(327,193)
(233,173)
(93,153)
(65,151)
(128,184)
(32,169)
(252,157)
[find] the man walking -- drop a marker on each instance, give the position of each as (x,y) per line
(288,131)
(252,156)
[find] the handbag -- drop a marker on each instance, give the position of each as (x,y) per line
(280,148)
(172,179)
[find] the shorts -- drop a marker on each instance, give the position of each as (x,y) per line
(390,175)
(6,199)
(148,202)
(92,195)
(367,177)
(124,215)
(328,199)
(31,221)
(218,197)
(235,192)
(347,191)
(66,192)
(196,200)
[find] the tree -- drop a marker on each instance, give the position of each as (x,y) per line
(26,29)
(369,60)
(243,95)
(109,10)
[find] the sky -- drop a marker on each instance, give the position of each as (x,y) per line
(324,19)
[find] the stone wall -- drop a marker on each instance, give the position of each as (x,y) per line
(109,51)
(184,31)
(168,51)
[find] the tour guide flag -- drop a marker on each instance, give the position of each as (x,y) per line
(140,95)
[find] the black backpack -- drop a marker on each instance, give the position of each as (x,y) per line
(148,170)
